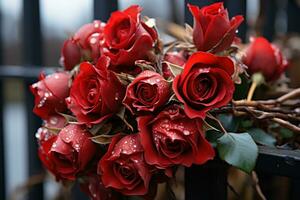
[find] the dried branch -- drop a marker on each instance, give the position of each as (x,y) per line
(257,186)
(287,125)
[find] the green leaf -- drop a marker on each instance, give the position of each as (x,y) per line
(101,129)
(212,136)
(261,137)
(175,69)
(238,150)
(286,133)
(102,139)
(229,122)
(121,115)
(246,124)
(69,118)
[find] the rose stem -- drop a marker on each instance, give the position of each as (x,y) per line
(257,79)
(251,91)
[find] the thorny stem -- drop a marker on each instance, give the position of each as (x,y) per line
(283,110)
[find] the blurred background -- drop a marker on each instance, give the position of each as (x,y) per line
(277,20)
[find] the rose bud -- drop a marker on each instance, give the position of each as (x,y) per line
(264,57)
(69,153)
(205,83)
(177,58)
(128,39)
(96,93)
(213,30)
(147,92)
(171,138)
(70,54)
(93,187)
(50,93)
(83,46)
(123,167)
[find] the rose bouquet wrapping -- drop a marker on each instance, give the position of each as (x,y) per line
(125,110)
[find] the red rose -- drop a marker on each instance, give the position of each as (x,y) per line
(205,83)
(94,188)
(96,93)
(123,167)
(262,56)
(212,28)
(128,38)
(177,58)
(147,92)
(67,154)
(171,138)
(84,45)
(50,93)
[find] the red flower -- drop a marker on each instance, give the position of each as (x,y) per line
(50,93)
(205,83)
(212,28)
(123,167)
(147,93)
(96,93)
(128,39)
(171,138)
(83,46)
(262,56)
(67,154)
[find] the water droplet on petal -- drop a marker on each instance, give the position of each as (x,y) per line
(53,120)
(186,132)
(38,133)
(76,147)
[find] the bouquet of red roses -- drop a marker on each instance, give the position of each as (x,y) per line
(126,109)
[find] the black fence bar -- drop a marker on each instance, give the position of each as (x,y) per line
(24,72)
(32,51)
(269,7)
(206,182)
(238,8)
(103,8)
(279,162)
(2,146)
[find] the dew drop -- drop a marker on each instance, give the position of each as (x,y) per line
(93,40)
(53,120)
(38,133)
(76,147)
(186,132)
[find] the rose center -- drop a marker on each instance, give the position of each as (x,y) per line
(146,92)
(202,86)
(173,146)
(122,31)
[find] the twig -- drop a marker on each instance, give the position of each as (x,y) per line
(256,184)
(251,91)
(25,187)
(291,95)
(233,190)
(218,122)
(287,125)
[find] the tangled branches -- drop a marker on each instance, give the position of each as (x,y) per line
(284,111)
